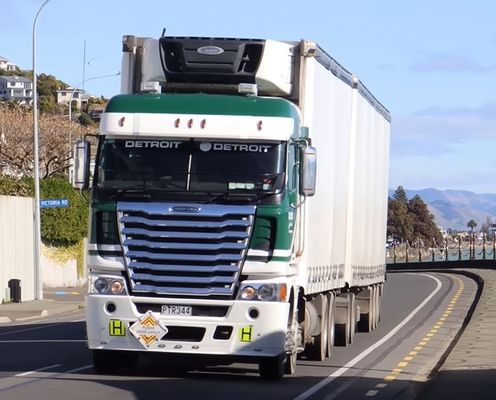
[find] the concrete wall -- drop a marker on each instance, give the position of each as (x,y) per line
(60,274)
(17,252)
(16,244)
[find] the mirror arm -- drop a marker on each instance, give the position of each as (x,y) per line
(296,206)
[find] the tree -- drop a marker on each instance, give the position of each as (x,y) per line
(400,195)
(410,219)
(47,91)
(400,224)
(471,224)
(16,141)
(424,227)
(486,225)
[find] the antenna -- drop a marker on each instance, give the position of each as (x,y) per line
(163,32)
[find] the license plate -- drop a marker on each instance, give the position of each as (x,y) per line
(177,310)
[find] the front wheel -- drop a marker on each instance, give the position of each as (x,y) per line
(290,367)
(273,368)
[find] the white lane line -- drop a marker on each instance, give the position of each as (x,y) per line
(371,393)
(73,371)
(31,329)
(369,350)
(45,341)
(38,370)
(49,376)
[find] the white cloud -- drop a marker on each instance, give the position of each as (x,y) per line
(451,63)
(437,130)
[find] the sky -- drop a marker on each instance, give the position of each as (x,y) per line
(432,63)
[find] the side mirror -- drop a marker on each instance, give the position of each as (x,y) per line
(308,173)
(81,165)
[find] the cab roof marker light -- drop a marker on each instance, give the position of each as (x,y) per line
(259,125)
(151,87)
(121,121)
(177,123)
(190,123)
(249,89)
(203,123)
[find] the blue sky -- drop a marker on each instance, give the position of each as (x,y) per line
(431,63)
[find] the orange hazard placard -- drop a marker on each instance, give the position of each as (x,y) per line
(148,329)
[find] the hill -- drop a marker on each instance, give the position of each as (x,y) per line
(454,208)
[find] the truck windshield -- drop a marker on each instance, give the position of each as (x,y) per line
(215,167)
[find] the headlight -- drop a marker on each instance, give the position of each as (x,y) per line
(266,292)
(263,292)
(248,293)
(116,287)
(107,285)
(101,285)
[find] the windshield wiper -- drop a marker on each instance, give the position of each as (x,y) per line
(245,197)
(134,191)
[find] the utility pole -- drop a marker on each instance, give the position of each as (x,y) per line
(37,223)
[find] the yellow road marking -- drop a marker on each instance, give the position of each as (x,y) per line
(393,374)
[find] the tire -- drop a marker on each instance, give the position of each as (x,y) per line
(290,367)
(330,323)
(375,318)
(367,320)
(317,350)
(380,289)
(342,334)
(272,368)
(353,317)
(345,333)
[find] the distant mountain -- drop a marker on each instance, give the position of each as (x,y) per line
(454,208)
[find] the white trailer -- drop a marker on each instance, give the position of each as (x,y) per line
(215,232)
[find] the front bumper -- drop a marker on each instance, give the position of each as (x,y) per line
(260,333)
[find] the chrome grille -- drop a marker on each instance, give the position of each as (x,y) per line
(194,250)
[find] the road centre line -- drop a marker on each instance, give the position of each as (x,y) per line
(32,329)
(44,341)
(432,333)
(370,349)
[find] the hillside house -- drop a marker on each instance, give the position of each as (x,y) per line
(16,88)
(79,98)
(6,65)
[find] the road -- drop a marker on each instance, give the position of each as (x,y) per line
(48,359)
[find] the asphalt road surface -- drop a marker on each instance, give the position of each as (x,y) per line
(421,312)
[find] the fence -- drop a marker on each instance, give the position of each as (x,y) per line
(16,245)
(452,249)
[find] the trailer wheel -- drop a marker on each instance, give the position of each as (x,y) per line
(345,332)
(367,320)
(331,310)
(273,368)
(375,319)
(380,289)
(353,317)
(317,350)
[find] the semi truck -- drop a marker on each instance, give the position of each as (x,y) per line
(238,205)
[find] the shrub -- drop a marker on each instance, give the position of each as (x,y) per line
(63,226)
(59,226)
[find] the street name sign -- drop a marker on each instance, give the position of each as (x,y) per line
(54,203)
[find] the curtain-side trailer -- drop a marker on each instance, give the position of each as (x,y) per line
(238,207)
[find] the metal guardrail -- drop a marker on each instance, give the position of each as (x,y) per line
(453,249)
